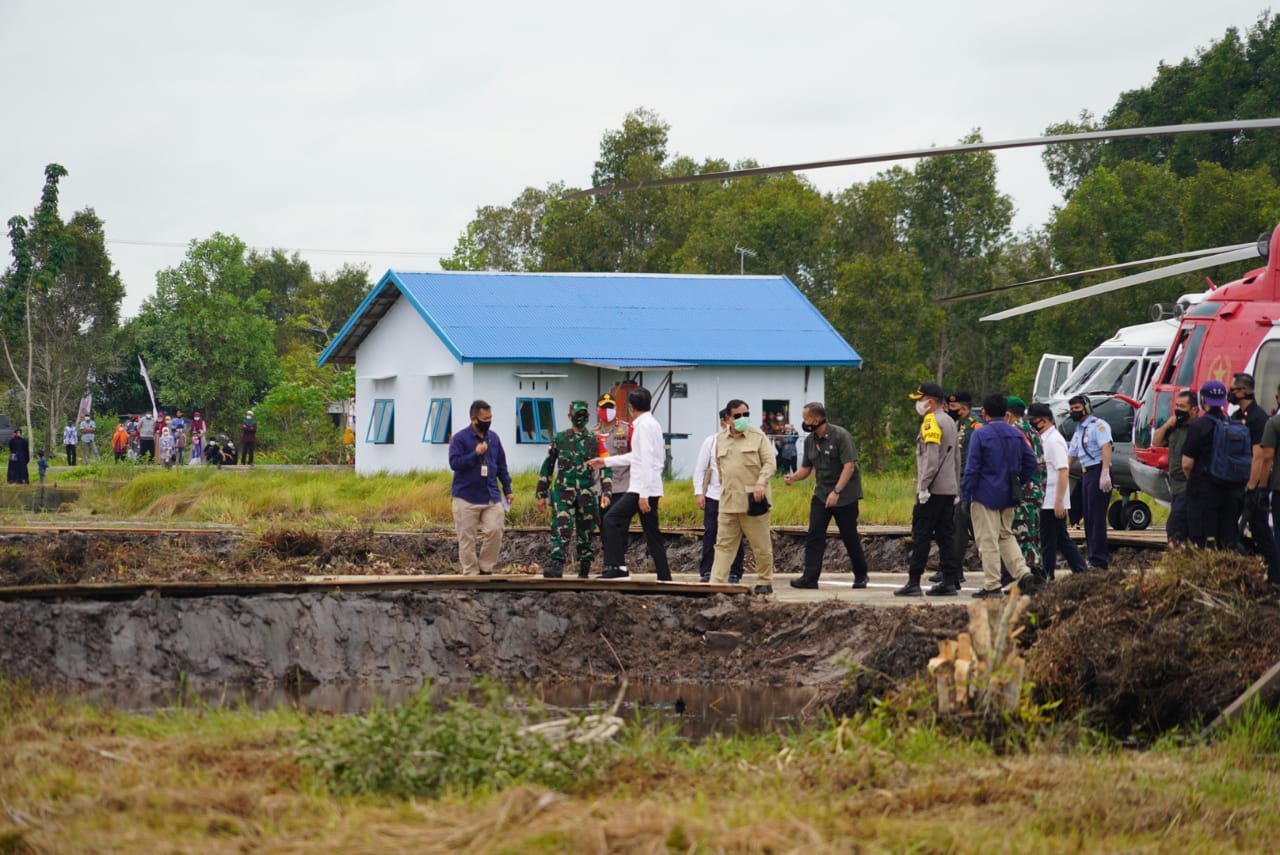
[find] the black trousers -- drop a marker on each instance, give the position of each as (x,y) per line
(246,452)
(71,454)
(1176,528)
(815,542)
(1094,504)
(934,522)
(963,534)
(1261,539)
(1213,512)
(710,529)
(613,533)
(1054,537)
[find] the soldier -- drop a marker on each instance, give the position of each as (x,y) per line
(614,439)
(574,505)
(960,406)
(1026,516)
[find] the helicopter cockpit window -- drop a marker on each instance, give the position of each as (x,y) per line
(1119,417)
(1187,367)
(1118,376)
(1266,372)
(1080,378)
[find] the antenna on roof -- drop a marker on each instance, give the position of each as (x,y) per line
(743,252)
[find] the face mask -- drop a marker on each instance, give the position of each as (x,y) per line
(609,413)
(483,427)
(580,418)
(1181,416)
(921,408)
(741,424)
(808,428)
(1077,416)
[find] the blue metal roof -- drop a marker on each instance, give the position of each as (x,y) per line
(618,319)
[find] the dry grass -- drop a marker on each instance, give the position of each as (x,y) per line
(80,779)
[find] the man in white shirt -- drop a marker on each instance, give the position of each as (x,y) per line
(706,490)
(1057,495)
(645,462)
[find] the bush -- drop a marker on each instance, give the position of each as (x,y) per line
(294,425)
(422,749)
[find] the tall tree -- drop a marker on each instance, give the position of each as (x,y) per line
(205,333)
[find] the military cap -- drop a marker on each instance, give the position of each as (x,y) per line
(927,390)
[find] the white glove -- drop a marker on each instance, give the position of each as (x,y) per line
(922,496)
(1104,482)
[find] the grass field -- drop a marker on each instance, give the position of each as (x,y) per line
(338,498)
(77,778)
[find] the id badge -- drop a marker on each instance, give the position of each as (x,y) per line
(484,470)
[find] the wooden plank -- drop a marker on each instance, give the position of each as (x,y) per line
(1264,690)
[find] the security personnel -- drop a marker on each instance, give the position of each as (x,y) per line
(1090,448)
(960,406)
(1026,516)
(613,438)
(937,486)
(575,507)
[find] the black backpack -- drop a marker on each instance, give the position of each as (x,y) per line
(1232,455)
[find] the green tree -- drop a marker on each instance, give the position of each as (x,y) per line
(295,425)
(205,333)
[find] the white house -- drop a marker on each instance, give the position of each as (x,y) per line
(425,345)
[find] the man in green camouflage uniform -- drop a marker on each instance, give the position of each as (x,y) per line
(575,503)
(960,406)
(1026,516)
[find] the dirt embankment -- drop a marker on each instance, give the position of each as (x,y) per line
(403,636)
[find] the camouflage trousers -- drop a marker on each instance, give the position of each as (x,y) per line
(575,515)
(1026,530)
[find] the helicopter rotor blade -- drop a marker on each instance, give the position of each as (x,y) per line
(1087,136)
(1204,263)
(960,298)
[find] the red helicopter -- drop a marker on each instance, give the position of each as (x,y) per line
(1236,327)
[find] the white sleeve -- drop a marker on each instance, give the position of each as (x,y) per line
(704,461)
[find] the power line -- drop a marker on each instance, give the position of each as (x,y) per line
(179,245)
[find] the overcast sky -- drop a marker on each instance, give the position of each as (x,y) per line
(382,126)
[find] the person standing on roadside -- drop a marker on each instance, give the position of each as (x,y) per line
(960,406)
(933,517)
(613,436)
(248,437)
(120,442)
(1090,448)
(1213,504)
(88,438)
(644,490)
(1267,476)
(1057,495)
(70,441)
(570,485)
(1257,499)
(999,460)
(830,455)
(1026,516)
(1173,435)
(706,492)
(745,461)
(479,466)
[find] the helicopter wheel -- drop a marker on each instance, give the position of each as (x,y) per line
(1138,516)
(1115,516)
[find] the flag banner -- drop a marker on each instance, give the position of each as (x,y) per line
(86,406)
(152,392)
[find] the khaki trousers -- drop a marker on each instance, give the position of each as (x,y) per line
(467,518)
(732,529)
(992,533)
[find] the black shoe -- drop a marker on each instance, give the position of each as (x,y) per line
(1031,584)
(802,582)
(859,584)
(1005,579)
(943,589)
(988,593)
(937,577)
(584,568)
(615,573)
(911,589)
(704,578)
(733,580)
(762,590)
(554,570)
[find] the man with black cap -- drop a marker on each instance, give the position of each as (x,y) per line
(1213,504)
(830,455)
(613,437)
(960,406)
(937,485)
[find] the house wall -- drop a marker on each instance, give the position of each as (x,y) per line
(384,352)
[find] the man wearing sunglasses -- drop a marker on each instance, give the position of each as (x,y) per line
(745,462)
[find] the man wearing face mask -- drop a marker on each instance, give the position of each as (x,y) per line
(745,462)
(645,462)
(1257,499)
(1090,447)
(829,454)
(479,464)
(613,438)
(960,407)
(937,485)
(575,506)
(1173,435)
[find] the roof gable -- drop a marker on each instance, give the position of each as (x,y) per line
(606,318)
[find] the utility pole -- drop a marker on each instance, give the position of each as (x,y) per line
(743,252)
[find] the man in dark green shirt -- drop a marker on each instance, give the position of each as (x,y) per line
(1173,433)
(829,454)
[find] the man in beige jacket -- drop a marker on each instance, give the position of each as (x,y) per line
(745,460)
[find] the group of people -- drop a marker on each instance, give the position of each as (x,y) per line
(1222,472)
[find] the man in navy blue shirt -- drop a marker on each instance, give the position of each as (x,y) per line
(999,457)
(479,463)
